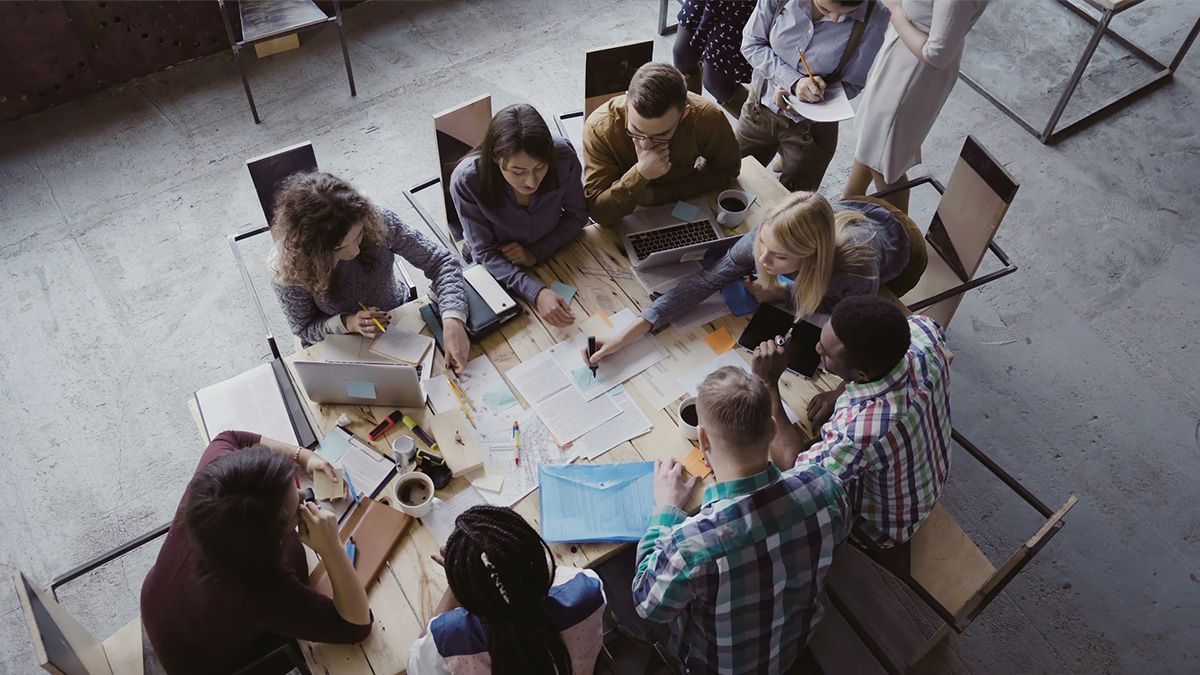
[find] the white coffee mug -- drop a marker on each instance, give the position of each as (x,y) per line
(418,488)
(732,217)
(689,429)
(404,449)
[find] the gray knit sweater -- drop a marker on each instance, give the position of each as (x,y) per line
(375,284)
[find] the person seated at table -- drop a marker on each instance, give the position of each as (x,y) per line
(230,582)
(889,435)
(828,251)
(739,582)
(839,40)
(335,253)
(520,199)
(509,609)
(655,144)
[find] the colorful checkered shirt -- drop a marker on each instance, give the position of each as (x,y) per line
(739,580)
(889,440)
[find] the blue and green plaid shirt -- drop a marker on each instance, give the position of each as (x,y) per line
(739,580)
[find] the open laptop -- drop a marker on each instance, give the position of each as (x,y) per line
(653,237)
(351,373)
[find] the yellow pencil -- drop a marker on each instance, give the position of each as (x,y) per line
(805,62)
(372,318)
(454,383)
(461,404)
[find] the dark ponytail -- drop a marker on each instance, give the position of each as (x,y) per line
(501,571)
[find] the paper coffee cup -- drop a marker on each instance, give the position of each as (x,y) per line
(688,419)
(414,494)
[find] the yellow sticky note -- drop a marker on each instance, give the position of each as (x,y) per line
(596,325)
(324,488)
(488,478)
(696,464)
(721,340)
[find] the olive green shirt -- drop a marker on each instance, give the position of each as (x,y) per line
(611,182)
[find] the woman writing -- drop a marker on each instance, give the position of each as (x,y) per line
(828,251)
(230,582)
(509,609)
(520,199)
(335,254)
(912,78)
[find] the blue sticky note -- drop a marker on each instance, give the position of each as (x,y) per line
(740,300)
(685,212)
(360,389)
(617,390)
(585,379)
(499,399)
(567,292)
(333,446)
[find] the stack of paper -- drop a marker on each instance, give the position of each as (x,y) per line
(633,359)
(687,351)
(402,345)
(538,448)
(630,424)
(552,394)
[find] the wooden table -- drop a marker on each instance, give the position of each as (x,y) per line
(595,264)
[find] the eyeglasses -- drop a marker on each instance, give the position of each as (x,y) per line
(664,137)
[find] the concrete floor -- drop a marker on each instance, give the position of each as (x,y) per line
(1077,373)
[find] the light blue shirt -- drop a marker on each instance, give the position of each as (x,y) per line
(776,57)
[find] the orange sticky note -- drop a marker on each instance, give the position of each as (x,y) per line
(696,464)
(721,340)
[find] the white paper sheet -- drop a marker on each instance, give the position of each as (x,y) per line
(440,520)
(367,468)
(250,401)
(402,345)
(834,108)
(551,394)
(479,377)
(691,381)
(630,424)
(537,447)
(633,359)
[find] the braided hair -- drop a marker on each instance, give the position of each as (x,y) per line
(501,570)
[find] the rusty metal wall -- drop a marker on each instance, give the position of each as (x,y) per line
(54,51)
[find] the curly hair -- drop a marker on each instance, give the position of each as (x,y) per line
(313,213)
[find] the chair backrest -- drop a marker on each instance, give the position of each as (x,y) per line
(977,197)
(62,645)
(270,170)
(608,70)
(459,130)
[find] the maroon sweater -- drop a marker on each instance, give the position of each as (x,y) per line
(207,626)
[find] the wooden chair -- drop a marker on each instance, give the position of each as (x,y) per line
(942,566)
(971,208)
(606,73)
(1108,9)
(268,172)
(264,20)
(459,130)
(65,647)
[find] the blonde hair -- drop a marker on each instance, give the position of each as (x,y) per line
(805,225)
(737,406)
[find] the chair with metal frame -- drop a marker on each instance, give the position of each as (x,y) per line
(268,172)
(458,130)
(664,8)
(264,20)
(942,566)
(1108,9)
(62,645)
(606,74)
(972,205)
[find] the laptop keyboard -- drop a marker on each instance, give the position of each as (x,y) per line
(677,236)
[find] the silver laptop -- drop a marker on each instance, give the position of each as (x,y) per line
(653,237)
(388,384)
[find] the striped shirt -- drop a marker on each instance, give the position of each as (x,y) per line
(739,581)
(889,440)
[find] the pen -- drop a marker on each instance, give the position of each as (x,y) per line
(372,318)
(591,352)
(517,441)
(782,340)
(421,433)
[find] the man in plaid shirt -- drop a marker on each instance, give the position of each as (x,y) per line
(738,582)
(889,437)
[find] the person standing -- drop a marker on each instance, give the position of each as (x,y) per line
(839,40)
(708,49)
(912,78)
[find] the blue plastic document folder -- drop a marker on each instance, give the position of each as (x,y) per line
(596,502)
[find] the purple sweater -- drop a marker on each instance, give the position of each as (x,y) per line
(551,220)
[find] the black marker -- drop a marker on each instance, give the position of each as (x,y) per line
(591,352)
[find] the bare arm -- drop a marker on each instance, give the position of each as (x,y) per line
(788,442)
